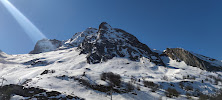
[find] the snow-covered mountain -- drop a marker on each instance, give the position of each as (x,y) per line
(46,45)
(102,44)
(105,63)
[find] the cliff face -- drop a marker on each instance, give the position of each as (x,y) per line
(193,59)
(101,45)
(110,42)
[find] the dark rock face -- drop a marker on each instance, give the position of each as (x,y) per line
(47,71)
(192,59)
(37,62)
(46,45)
(31,93)
(104,26)
(110,42)
(2,54)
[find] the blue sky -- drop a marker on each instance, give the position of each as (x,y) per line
(195,25)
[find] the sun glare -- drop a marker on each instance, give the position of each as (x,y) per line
(31,30)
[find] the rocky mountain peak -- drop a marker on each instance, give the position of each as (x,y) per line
(106,43)
(104,26)
(110,42)
(102,44)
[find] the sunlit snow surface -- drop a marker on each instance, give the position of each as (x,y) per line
(68,62)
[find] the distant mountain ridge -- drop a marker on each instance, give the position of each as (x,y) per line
(193,59)
(106,42)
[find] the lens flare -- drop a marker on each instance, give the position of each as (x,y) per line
(31,30)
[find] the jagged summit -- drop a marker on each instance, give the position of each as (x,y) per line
(111,42)
(102,44)
(104,26)
(106,42)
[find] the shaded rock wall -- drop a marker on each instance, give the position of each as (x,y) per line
(189,58)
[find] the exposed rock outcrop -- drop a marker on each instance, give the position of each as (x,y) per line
(2,54)
(102,44)
(193,59)
(46,45)
(106,43)
(111,42)
(30,93)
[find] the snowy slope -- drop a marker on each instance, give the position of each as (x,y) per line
(75,67)
(69,63)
